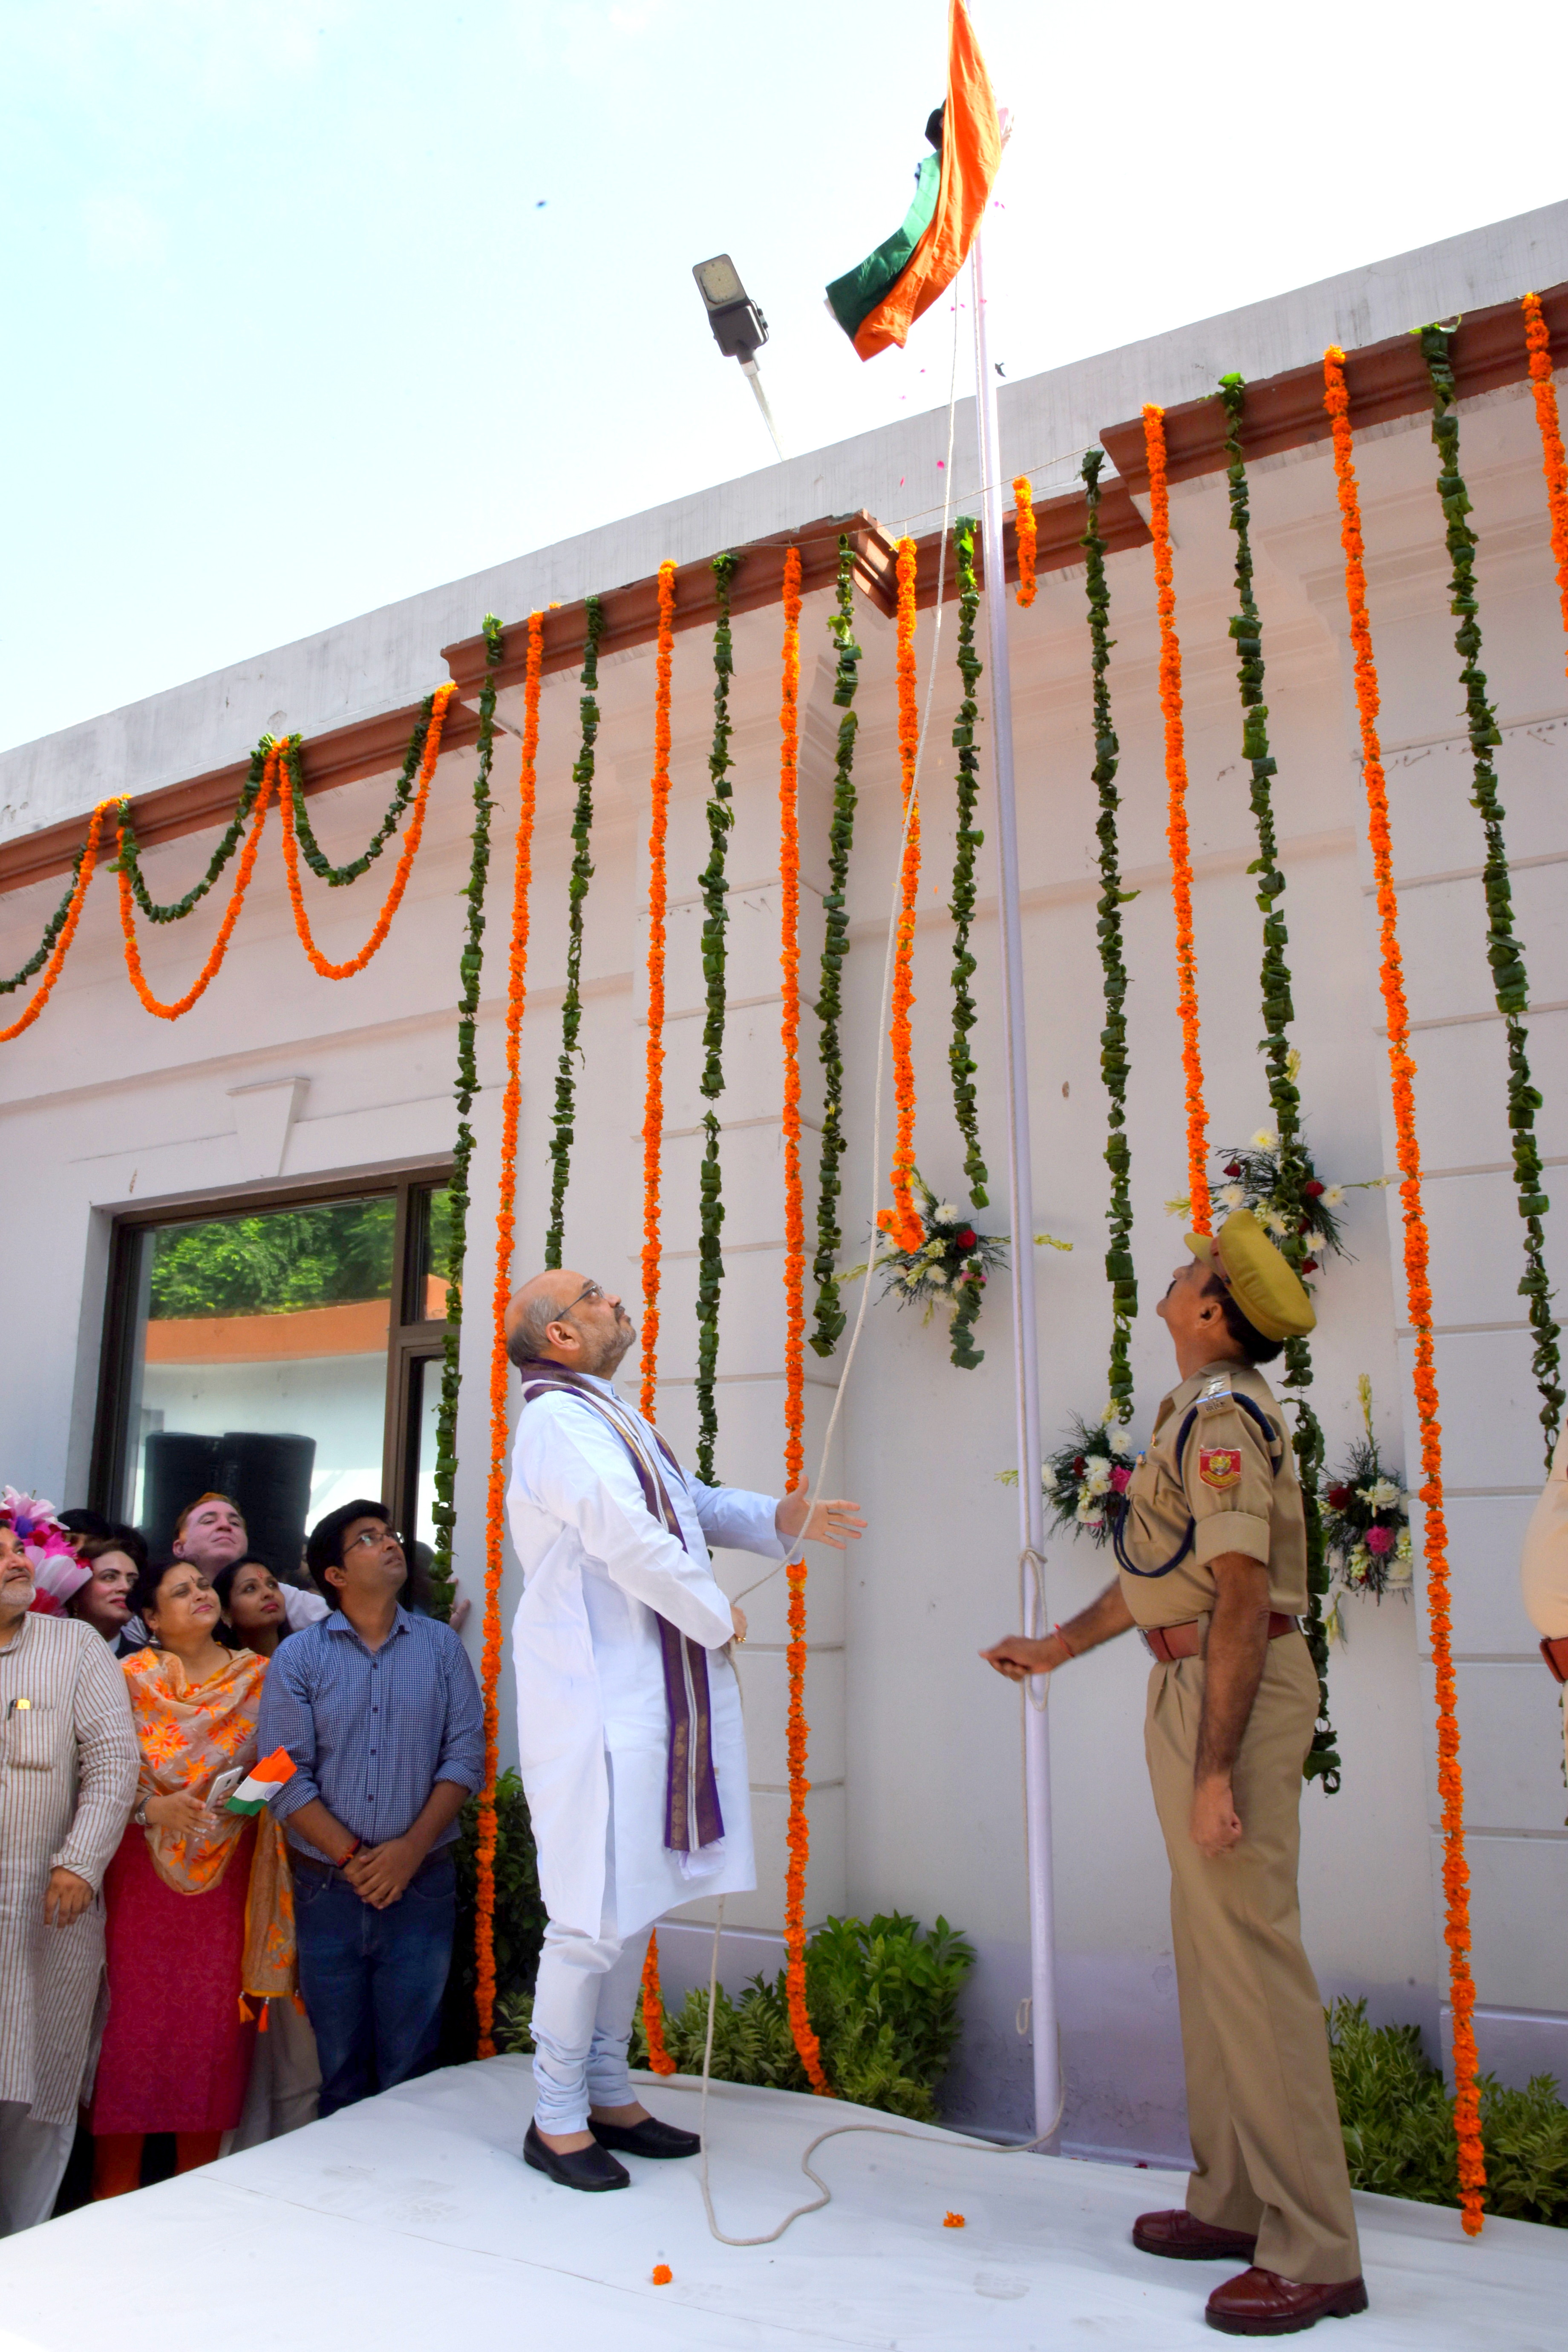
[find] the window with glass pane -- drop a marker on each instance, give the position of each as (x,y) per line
(429,1251)
(257,1365)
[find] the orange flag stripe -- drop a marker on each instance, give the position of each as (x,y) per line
(971,153)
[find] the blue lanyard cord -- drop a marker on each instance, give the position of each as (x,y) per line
(1270,1438)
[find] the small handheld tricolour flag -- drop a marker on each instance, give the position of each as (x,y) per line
(878,303)
(264,1783)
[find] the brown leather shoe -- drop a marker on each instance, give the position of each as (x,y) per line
(1180,2237)
(1261,2302)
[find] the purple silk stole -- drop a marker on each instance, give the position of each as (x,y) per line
(691,1816)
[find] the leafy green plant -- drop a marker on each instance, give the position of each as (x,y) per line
(518,1918)
(883,1996)
(1398,2123)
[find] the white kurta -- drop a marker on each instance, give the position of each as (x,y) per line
(590,1677)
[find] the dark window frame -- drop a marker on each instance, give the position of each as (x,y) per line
(409,1336)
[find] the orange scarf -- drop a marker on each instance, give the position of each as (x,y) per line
(188,1733)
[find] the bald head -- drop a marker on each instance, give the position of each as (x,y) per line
(565,1317)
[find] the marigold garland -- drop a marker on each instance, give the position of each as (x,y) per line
(789,1024)
(292,799)
(967,840)
(1028,535)
(797,1835)
(63,923)
(506,1241)
(714,885)
(1553,463)
(1511,983)
(1293,1171)
(225,929)
(1176,819)
(902,1219)
(576,893)
(659,2057)
(830,1316)
(1418,1293)
(653,1108)
(1119,1269)
(466,1086)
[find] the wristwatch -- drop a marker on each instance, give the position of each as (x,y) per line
(139,1815)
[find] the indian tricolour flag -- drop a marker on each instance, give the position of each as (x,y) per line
(878,303)
(264,1783)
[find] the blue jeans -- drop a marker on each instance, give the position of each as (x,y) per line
(371,1981)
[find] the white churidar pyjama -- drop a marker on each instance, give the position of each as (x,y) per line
(584,1999)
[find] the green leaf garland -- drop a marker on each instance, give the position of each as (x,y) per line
(830,1316)
(1504,953)
(129,859)
(467,1085)
(335,877)
(52,930)
(1294,1173)
(577,891)
(714,885)
(960,1061)
(1113,1064)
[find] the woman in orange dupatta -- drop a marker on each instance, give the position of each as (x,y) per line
(200,1915)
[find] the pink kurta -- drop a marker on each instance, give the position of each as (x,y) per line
(177,2053)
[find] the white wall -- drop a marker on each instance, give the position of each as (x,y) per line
(916,1747)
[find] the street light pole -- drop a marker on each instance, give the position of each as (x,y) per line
(1031,1508)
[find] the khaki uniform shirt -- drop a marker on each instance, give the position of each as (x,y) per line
(1228,1490)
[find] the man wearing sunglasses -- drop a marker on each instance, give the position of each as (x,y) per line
(631,1744)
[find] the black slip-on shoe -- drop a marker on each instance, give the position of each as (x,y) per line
(591,2168)
(650,2138)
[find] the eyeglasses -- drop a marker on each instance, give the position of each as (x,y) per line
(592,1290)
(371,1542)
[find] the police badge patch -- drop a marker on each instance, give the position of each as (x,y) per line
(1220,1466)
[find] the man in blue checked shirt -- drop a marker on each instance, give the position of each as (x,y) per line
(380,1711)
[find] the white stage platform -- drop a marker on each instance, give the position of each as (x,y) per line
(411,2222)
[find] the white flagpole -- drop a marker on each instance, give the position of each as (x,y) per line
(1031,1505)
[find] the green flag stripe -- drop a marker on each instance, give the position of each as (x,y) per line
(857,294)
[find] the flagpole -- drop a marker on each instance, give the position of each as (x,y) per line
(1031,1505)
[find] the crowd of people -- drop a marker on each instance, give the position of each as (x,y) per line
(177,1956)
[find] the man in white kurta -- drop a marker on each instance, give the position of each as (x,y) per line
(600,1569)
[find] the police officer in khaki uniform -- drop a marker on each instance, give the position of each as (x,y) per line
(1212,1547)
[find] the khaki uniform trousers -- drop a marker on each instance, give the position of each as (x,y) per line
(1261,2111)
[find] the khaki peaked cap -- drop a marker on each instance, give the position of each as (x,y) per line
(1264,1285)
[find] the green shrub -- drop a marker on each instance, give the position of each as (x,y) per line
(1398,2123)
(883,1999)
(519,1916)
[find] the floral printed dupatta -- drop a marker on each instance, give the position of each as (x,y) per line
(188,1733)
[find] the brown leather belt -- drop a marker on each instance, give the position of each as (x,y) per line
(1554,1650)
(1169,1643)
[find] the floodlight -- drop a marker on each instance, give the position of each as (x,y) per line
(738,327)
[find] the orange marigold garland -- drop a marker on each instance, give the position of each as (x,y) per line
(1402,1073)
(659,2057)
(653,1107)
(45,988)
(1553,463)
(798,1832)
(1024,496)
(290,755)
(495,1493)
(904,1219)
(789,964)
(225,929)
(1176,820)
(653,1136)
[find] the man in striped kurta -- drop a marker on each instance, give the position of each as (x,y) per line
(68,1777)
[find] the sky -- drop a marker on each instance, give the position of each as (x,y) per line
(316,303)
